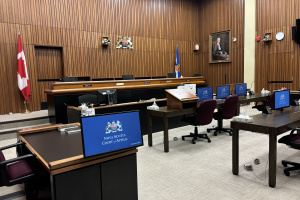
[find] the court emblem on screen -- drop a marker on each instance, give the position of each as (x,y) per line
(205,92)
(282,97)
(223,90)
(241,88)
(113,127)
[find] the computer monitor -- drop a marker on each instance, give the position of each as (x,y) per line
(282,99)
(223,92)
(241,89)
(107,97)
(110,132)
(205,93)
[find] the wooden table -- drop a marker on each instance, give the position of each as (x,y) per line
(273,124)
(166,113)
(75,177)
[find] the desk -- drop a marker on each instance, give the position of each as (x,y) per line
(165,113)
(61,94)
(274,124)
(74,177)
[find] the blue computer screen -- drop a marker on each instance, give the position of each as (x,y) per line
(106,133)
(205,93)
(282,99)
(241,89)
(223,91)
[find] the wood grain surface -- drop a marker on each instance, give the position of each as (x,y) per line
(277,60)
(76,27)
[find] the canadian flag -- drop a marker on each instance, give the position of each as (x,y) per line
(23,80)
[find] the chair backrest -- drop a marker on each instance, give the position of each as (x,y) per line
(229,107)
(171,75)
(127,77)
(205,111)
(87,98)
(271,101)
(70,79)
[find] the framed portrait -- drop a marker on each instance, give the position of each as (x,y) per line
(220,47)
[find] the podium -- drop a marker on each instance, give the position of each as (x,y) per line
(178,99)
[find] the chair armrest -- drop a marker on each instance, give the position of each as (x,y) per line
(12,145)
(17,159)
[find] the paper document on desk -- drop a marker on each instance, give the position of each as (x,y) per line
(88,112)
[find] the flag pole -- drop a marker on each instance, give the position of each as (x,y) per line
(26,109)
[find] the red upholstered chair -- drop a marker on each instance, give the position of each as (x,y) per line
(18,170)
(271,101)
(227,111)
(292,140)
(203,116)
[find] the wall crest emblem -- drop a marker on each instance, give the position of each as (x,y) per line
(124,43)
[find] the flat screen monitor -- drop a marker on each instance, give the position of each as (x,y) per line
(282,99)
(241,89)
(107,97)
(223,92)
(111,132)
(205,93)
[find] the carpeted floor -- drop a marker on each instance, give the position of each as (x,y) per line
(204,170)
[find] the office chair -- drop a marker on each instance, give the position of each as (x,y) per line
(226,112)
(127,77)
(23,169)
(269,102)
(292,140)
(171,75)
(88,98)
(203,116)
(70,79)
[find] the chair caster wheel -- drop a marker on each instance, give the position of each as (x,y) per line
(208,130)
(182,138)
(193,141)
(284,164)
(287,173)
(209,141)
(215,133)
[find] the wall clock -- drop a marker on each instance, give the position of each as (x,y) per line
(279,36)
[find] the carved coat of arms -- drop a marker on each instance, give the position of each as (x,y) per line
(124,43)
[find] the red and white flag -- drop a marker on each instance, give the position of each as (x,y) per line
(23,80)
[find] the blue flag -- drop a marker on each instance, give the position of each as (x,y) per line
(177,65)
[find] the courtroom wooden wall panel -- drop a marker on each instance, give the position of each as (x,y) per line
(276,60)
(220,16)
(76,27)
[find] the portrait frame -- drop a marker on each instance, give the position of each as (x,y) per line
(222,52)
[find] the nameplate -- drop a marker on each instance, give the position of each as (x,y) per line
(119,83)
(169,81)
(188,80)
(147,82)
(90,85)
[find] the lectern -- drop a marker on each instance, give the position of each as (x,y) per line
(177,99)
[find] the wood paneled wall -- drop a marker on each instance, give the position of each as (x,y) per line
(155,26)
(219,16)
(277,60)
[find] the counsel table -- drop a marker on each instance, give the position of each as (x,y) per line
(273,124)
(165,113)
(75,177)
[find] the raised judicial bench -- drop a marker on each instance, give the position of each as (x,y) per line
(129,94)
